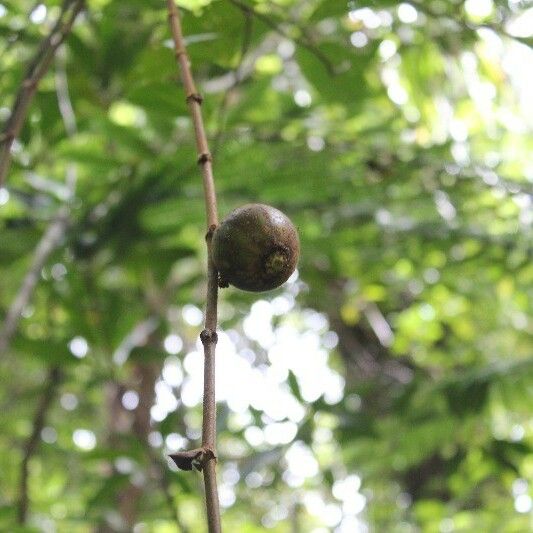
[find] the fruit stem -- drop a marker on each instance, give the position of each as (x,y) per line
(208,335)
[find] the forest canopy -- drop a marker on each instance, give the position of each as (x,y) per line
(387,386)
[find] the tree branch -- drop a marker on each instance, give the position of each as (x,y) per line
(17,34)
(63,95)
(227,81)
(35,71)
(51,384)
(464,24)
(302,41)
(46,246)
(57,227)
(209,335)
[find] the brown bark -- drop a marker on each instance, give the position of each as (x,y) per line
(53,379)
(207,454)
(34,73)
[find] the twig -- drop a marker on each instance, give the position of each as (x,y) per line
(57,227)
(17,34)
(63,97)
(462,23)
(52,382)
(46,246)
(378,323)
(303,41)
(36,70)
(209,335)
(226,81)
(67,113)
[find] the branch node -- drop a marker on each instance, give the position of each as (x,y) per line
(208,336)
(194,97)
(196,458)
(204,158)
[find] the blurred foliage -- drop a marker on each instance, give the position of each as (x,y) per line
(398,139)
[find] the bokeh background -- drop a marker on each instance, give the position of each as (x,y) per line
(388,385)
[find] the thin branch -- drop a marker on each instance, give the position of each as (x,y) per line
(46,246)
(63,96)
(378,323)
(17,34)
(209,335)
(57,228)
(35,71)
(52,382)
(302,41)
(464,24)
(67,113)
(226,81)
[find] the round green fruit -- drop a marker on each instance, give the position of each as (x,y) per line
(255,248)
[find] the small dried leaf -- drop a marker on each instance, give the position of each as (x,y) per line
(186,460)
